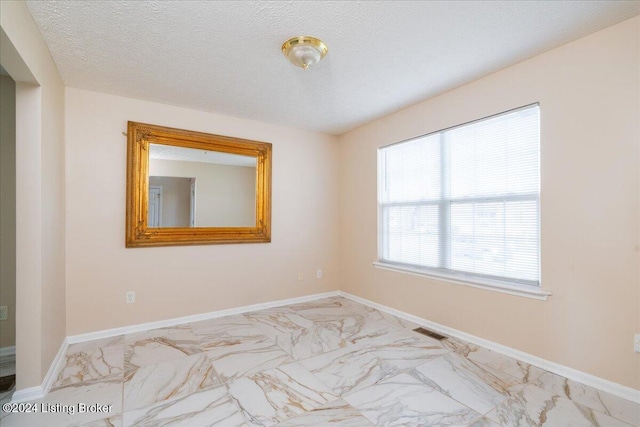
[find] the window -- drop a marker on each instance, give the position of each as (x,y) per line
(464,203)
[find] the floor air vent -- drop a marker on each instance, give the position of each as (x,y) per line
(429,333)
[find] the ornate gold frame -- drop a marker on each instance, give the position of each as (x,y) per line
(138,234)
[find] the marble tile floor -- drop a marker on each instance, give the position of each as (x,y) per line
(330,362)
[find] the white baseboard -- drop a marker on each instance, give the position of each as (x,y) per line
(194,318)
(7,360)
(7,352)
(607,386)
(27,394)
(39,392)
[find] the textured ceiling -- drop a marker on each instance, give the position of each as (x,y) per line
(225,56)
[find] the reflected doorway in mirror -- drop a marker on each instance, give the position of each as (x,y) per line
(155,206)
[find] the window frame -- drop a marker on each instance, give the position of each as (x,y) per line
(519,287)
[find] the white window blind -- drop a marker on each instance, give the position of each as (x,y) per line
(465,201)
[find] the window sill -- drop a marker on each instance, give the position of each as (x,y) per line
(492,285)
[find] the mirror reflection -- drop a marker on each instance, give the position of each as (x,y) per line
(198,188)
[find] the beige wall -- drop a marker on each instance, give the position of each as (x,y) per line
(8,208)
(99,267)
(637,248)
(175,200)
(40,193)
(225,194)
(589,98)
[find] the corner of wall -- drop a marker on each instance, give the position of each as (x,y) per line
(40,194)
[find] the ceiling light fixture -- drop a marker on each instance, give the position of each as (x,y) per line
(304,51)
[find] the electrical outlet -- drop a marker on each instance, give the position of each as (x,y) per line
(300,276)
(131,297)
(318,274)
(4,312)
(636,343)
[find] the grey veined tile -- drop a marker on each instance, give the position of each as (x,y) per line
(458,378)
(299,337)
(333,414)
(318,309)
(359,308)
(212,407)
(334,310)
(278,394)
(168,380)
(599,401)
(368,329)
(237,348)
(500,365)
(349,369)
(246,358)
(213,332)
(403,349)
(90,346)
(405,401)
(534,406)
(90,365)
(396,321)
(159,345)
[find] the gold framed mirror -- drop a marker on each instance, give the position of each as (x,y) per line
(193,188)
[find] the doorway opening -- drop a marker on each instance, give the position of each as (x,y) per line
(7,236)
